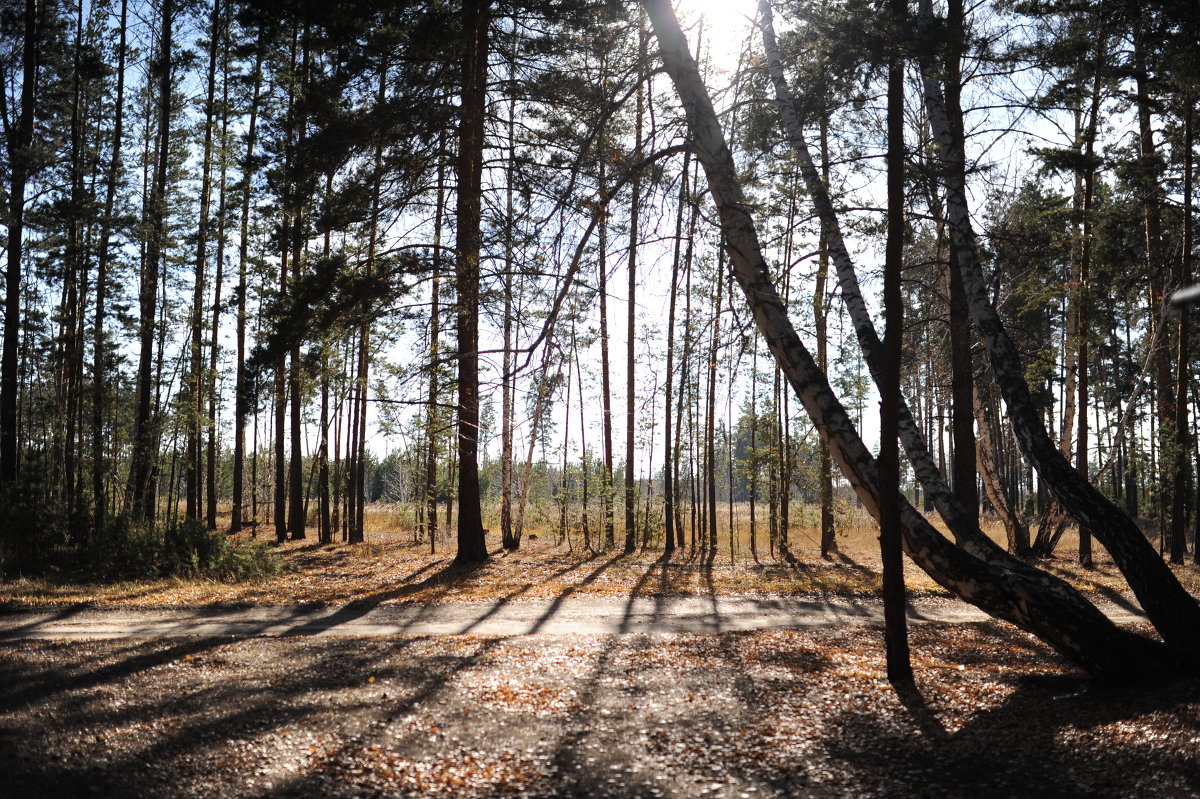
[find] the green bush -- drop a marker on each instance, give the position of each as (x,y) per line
(130,551)
(33,525)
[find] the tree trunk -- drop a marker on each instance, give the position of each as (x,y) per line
(145,438)
(899,667)
(1182,467)
(210,388)
(100,401)
(710,412)
(635,209)
(669,456)
(509,541)
(20,167)
(1156,266)
(605,381)
(1056,614)
(472,545)
(1081,297)
(435,327)
(194,469)
(820,322)
(1173,611)
(962,408)
(296,512)
(241,389)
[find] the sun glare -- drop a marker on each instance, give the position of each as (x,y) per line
(720,16)
(726,26)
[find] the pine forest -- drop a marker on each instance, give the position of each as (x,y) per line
(721,280)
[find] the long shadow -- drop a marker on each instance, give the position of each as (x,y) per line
(556,603)
(711,593)
(627,614)
(246,709)
(65,678)
(1031,744)
(500,603)
(922,714)
(1113,595)
(576,776)
(23,630)
(443,579)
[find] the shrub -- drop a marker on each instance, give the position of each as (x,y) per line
(131,551)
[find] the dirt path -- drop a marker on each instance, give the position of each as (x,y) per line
(585,615)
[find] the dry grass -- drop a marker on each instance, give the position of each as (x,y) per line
(390,567)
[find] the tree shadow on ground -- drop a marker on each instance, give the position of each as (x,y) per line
(195,721)
(1052,735)
(350,717)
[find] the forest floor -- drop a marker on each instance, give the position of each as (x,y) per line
(751,714)
(648,713)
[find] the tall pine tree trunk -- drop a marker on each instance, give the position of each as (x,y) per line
(1182,468)
(605,376)
(241,390)
(210,390)
(145,437)
(195,379)
(100,401)
(472,545)
(899,669)
(435,322)
(19,167)
(820,322)
(297,520)
(635,209)
(669,446)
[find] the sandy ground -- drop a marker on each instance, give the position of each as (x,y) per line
(581,615)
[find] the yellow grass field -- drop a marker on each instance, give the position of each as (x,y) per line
(395,566)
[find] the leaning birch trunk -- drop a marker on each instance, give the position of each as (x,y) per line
(964,528)
(1062,619)
(1173,611)
(963,524)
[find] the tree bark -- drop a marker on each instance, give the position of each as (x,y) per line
(100,402)
(145,437)
(297,521)
(194,469)
(635,209)
(435,327)
(605,378)
(820,322)
(20,167)
(507,538)
(899,667)
(210,383)
(1183,358)
(472,546)
(669,467)
(241,390)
